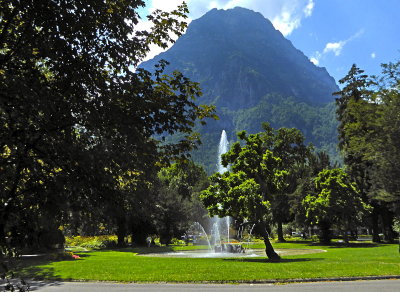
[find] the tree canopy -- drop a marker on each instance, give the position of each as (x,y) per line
(368,138)
(334,200)
(258,175)
(77,121)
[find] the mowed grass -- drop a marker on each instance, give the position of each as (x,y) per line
(126,265)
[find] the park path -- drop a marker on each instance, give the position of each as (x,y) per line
(348,286)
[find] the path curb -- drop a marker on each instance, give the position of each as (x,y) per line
(270,281)
(335,279)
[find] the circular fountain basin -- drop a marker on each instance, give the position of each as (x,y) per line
(249,253)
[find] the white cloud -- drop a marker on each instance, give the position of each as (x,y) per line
(335,48)
(314,60)
(373,55)
(285,15)
(309,8)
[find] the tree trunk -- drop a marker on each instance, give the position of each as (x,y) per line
(139,238)
(280,232)
(269,249)
(325,233)
(375,225)
(387,221)
(2,236)
(139,234)
(121,232)
(345,236)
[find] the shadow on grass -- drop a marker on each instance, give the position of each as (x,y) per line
(335,244)
(32,266)
(143,250)
(350,245)
(40,273)
(282,261)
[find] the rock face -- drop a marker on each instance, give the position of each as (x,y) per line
(243,65)
(238,57)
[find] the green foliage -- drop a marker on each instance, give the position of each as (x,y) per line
(178,201)
(386,150)
(91,242)
(256,173)
(368,138)
(264,168)
(259,170)
(396,225)
(235,194)
(317,123)
(335,199)
(77,123)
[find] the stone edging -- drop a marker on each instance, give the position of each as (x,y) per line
(271,281)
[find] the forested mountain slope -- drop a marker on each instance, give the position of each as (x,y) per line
(252,74)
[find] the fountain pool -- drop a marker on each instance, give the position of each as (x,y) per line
(249,254)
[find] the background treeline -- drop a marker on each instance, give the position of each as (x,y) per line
(318,124)
(368,110)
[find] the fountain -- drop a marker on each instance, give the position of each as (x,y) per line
(250,233)
(196,229)
(217,243)
(219,222)
(222,149)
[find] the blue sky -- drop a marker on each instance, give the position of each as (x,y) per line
(332,33)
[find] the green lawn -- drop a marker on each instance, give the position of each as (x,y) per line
(126,265)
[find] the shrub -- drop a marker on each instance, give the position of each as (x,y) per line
(92,242)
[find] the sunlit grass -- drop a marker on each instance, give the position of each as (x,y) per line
(127,265)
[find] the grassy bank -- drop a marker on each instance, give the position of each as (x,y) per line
(127,265)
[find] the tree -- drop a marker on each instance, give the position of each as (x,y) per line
(367,134)
(76,119)
(317,162)
(258,177)
(357,130)
(178,201)
(334,200)
(237,195)
(386,152)
(288,145)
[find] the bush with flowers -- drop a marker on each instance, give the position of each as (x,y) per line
(68,255)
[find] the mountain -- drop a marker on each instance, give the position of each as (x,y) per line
(252,74)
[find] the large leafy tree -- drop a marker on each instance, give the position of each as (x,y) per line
(385,152)
(259,174)
(288,145)
(178,202)
(356,114)
(334,200)
(357,133)
(367,134)
(317,162)
(76,119)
